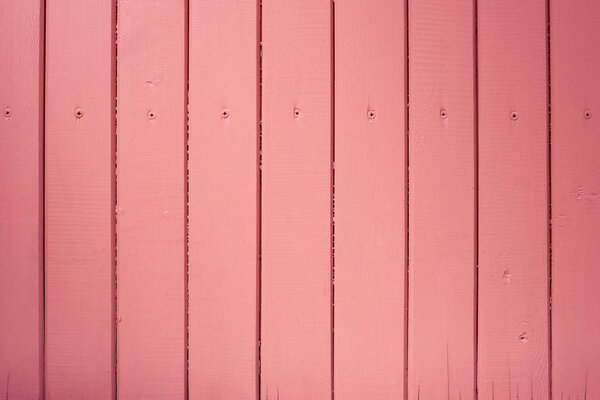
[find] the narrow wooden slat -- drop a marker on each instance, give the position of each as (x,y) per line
(441,343)
(370,197)
(79,169)
(513,200)
(296,200)
(151,265)
(21,205)
(223,173)
(575,61)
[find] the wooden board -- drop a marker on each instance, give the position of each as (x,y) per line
(513,200)
(370,199)
(223,173)
(21,202)
(575,51)
(79,216)
(151,163)
(296,200)
(441,342)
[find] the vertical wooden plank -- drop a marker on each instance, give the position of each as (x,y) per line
(296,200)
(79,169)
(513,200)
(223,205)
(441,361)
(21,204)
(575,52)
(370,199)
(151,162)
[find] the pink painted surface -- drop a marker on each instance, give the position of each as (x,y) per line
(575,50)
(151,265)
(79,205)
(260,250)
(513,200)
(370,198)
(441,315)
(21,204)
(223,170)
(296,200)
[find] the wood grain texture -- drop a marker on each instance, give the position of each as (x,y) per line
(79,170)
(442,200)
(151,162)
(296,200)
(21,202)
(513,200)
(370,200)
(223,205)
(575,51)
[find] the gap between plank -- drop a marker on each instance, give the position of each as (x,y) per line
(258,195)
(406,193)
(42,199)
(332,198)
(187,201)
(549,174)
(476,196)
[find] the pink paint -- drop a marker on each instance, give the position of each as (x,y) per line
(296,200)
(151,264)
(370,213)
(223,146)
(21,205)
(575,50)
(296,157)
(513,200)
(79,216)
(441,314)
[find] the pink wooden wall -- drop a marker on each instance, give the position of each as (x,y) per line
(236,199)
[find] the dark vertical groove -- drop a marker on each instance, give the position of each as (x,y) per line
(258,194)
(476,195)
(406,194)
(549,166)
(42,199)
(332,198)
(187,201)
(115,38)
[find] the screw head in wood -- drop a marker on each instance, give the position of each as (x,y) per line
(224,113)
(587,114)
(443,113)
(371,114)
(7,112)
(514,116)
(523,337)
(296,112)
(151,114)
(78,113)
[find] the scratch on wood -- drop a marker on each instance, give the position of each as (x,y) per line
(586,385)
(448,370)
(509,382)
(531,388)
